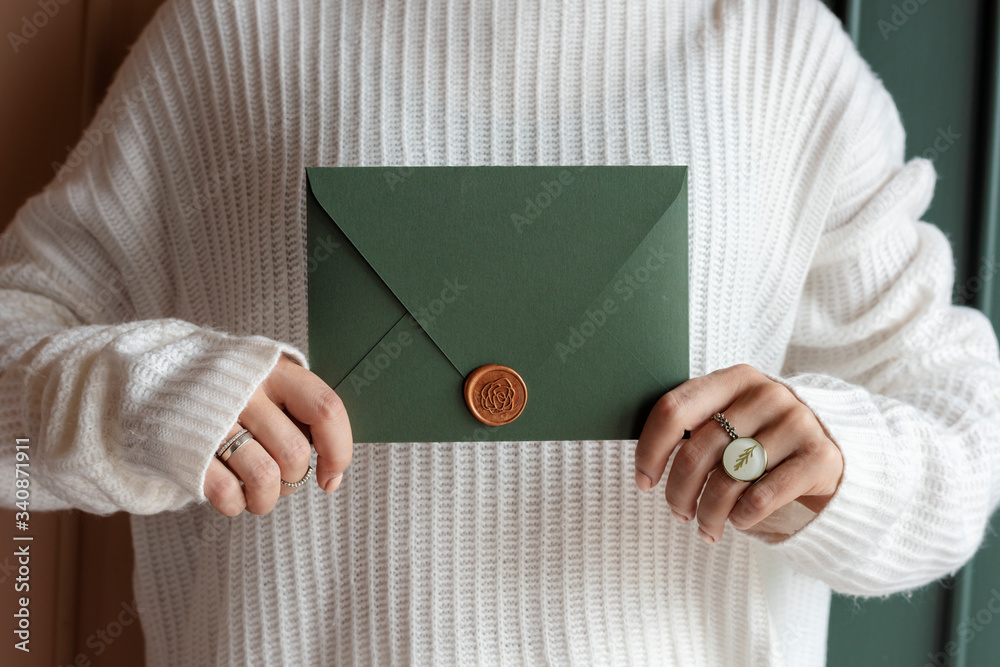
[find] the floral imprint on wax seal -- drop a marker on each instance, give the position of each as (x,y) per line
(495,394)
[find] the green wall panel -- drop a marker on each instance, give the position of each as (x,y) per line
(938,59)
(975,625)
(893,631)
(930,59)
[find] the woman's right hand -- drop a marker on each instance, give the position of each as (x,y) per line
(289,406)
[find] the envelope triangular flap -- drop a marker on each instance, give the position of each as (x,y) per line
(494,262)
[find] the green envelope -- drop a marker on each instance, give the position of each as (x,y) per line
(574,277)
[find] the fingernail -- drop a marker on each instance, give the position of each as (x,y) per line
(643,481)
(333,483)
(680,517)
(705,536)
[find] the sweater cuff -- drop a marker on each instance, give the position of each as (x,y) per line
(196,389)
(863,508)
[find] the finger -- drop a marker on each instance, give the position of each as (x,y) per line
(722,492)
(221,484)
(314,403)
(691,403)
(720,495)
(695,458)
(302,427)
(801,476)
(279,437)
(223,489)
(260,475)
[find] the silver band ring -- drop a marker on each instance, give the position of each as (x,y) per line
(234,443)
(224,446)
(738,459)
(295,485)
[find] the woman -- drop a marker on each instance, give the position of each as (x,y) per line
(154,305)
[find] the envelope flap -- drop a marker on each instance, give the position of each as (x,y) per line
(493,262)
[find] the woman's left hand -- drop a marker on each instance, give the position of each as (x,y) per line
(802,462)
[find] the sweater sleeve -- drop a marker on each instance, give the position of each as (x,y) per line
(905,383)
(120,397)
(115,416)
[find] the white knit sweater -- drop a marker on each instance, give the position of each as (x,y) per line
(154,284)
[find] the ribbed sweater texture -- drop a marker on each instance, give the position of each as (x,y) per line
(152,286)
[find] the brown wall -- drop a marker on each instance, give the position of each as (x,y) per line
(81,565)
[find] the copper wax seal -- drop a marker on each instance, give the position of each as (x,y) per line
(495,394)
